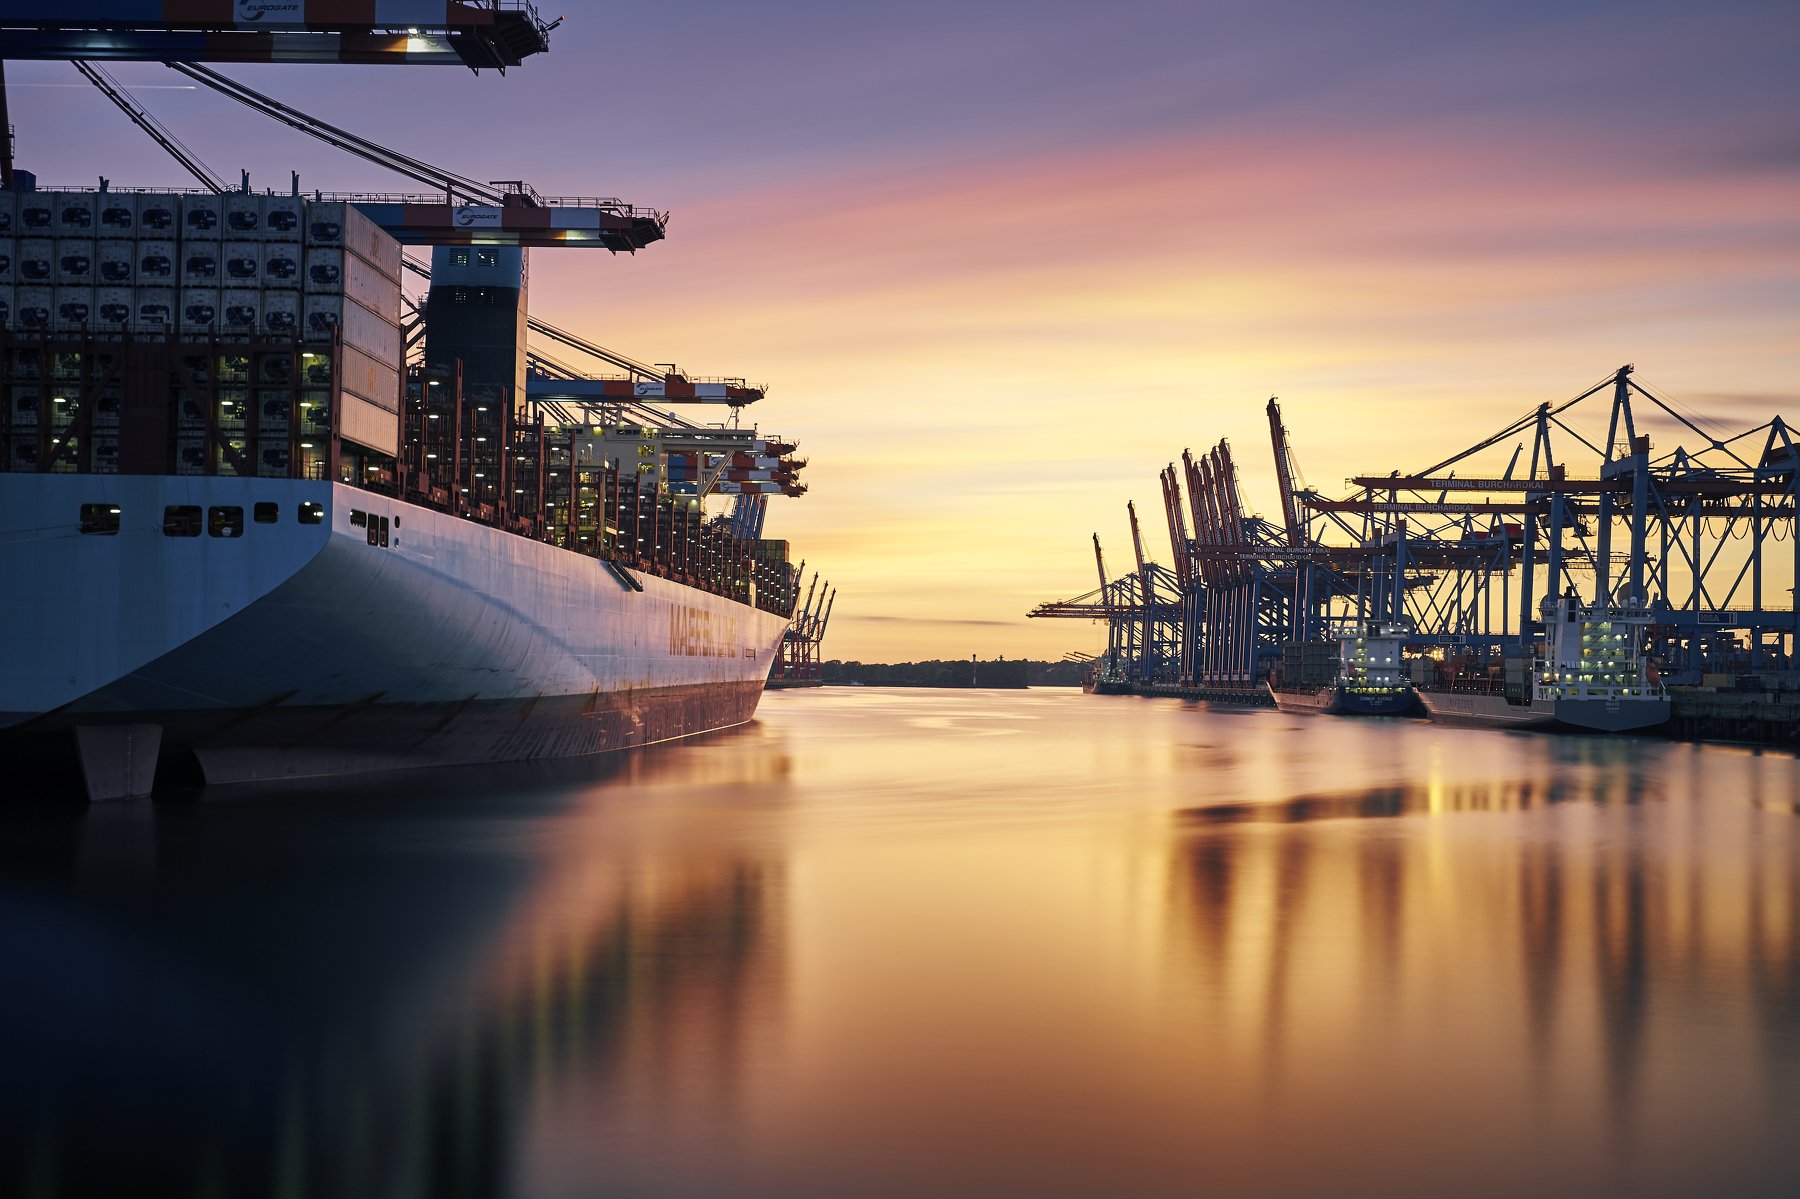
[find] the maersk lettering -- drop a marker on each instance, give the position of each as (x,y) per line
(699,633)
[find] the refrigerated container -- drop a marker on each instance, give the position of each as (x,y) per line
(33,307)
(202,217)
(155,307)
(74,307)
(243,215)
(343,272)
(156,263)
(281,263)
(37,215)
(74,265)
(114,305)
(158,216)
(240,262)
(343,226)
(116,262)
(282,217)
(281,311)
(241,309)
(200,264)
(199,309)
(73,213)
(35,262)
(117,215)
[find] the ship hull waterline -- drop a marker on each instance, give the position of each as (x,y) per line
(1334,701)
(294,649)
(1486,710)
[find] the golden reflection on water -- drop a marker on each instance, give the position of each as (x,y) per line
(914,943)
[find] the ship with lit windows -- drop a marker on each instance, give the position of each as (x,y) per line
(1590,672)
(1365,676)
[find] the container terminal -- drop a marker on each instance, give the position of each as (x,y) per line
(1544,576)
(264,514)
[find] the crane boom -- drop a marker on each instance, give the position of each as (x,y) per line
(1284,478)
(450,183)
(140,116)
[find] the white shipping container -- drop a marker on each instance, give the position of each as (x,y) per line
(360,327)
(7,299)
(9,213)
(117,215)
(281,312)
(240,263)
(376,382)
(113,305)
(282,216)
(199,309)
(74,213)
(74,262)
(324,223)
(158,216)
(155,307)
(116,262)
(9,253)
(200,264)
(74,307)
(37,215)
(281,263)
(202,217)
(242,309)
(346,272)
(369,425)
(338,225)
(34,307)
(36,261)
(243,215)
(156,263)
(370,242)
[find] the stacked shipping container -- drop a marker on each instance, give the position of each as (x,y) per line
(201,267)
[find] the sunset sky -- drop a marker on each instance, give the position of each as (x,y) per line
(999,263)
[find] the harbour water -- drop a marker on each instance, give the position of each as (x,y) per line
(907,943)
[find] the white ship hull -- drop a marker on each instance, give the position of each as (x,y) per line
(303,649)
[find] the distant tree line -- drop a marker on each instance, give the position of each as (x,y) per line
(999,673)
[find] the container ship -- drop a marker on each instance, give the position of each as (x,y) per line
(1365,675)
(1589,673)
(243,537)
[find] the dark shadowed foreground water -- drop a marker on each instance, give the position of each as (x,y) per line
(922,943)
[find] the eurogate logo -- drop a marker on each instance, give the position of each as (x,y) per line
(250,12)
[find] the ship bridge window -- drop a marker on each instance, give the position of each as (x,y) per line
(181,520)
(267,513)
(100,518)
(358,519)
(222,521)
(459,258)
(312,513)
(487,258)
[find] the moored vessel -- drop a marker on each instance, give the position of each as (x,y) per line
(1367,675)
(260,542)
(1590,672)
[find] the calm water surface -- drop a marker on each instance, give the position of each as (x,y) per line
(918,943)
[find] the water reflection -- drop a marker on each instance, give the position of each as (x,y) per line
(1653,929)
(350,994)
(899,944)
